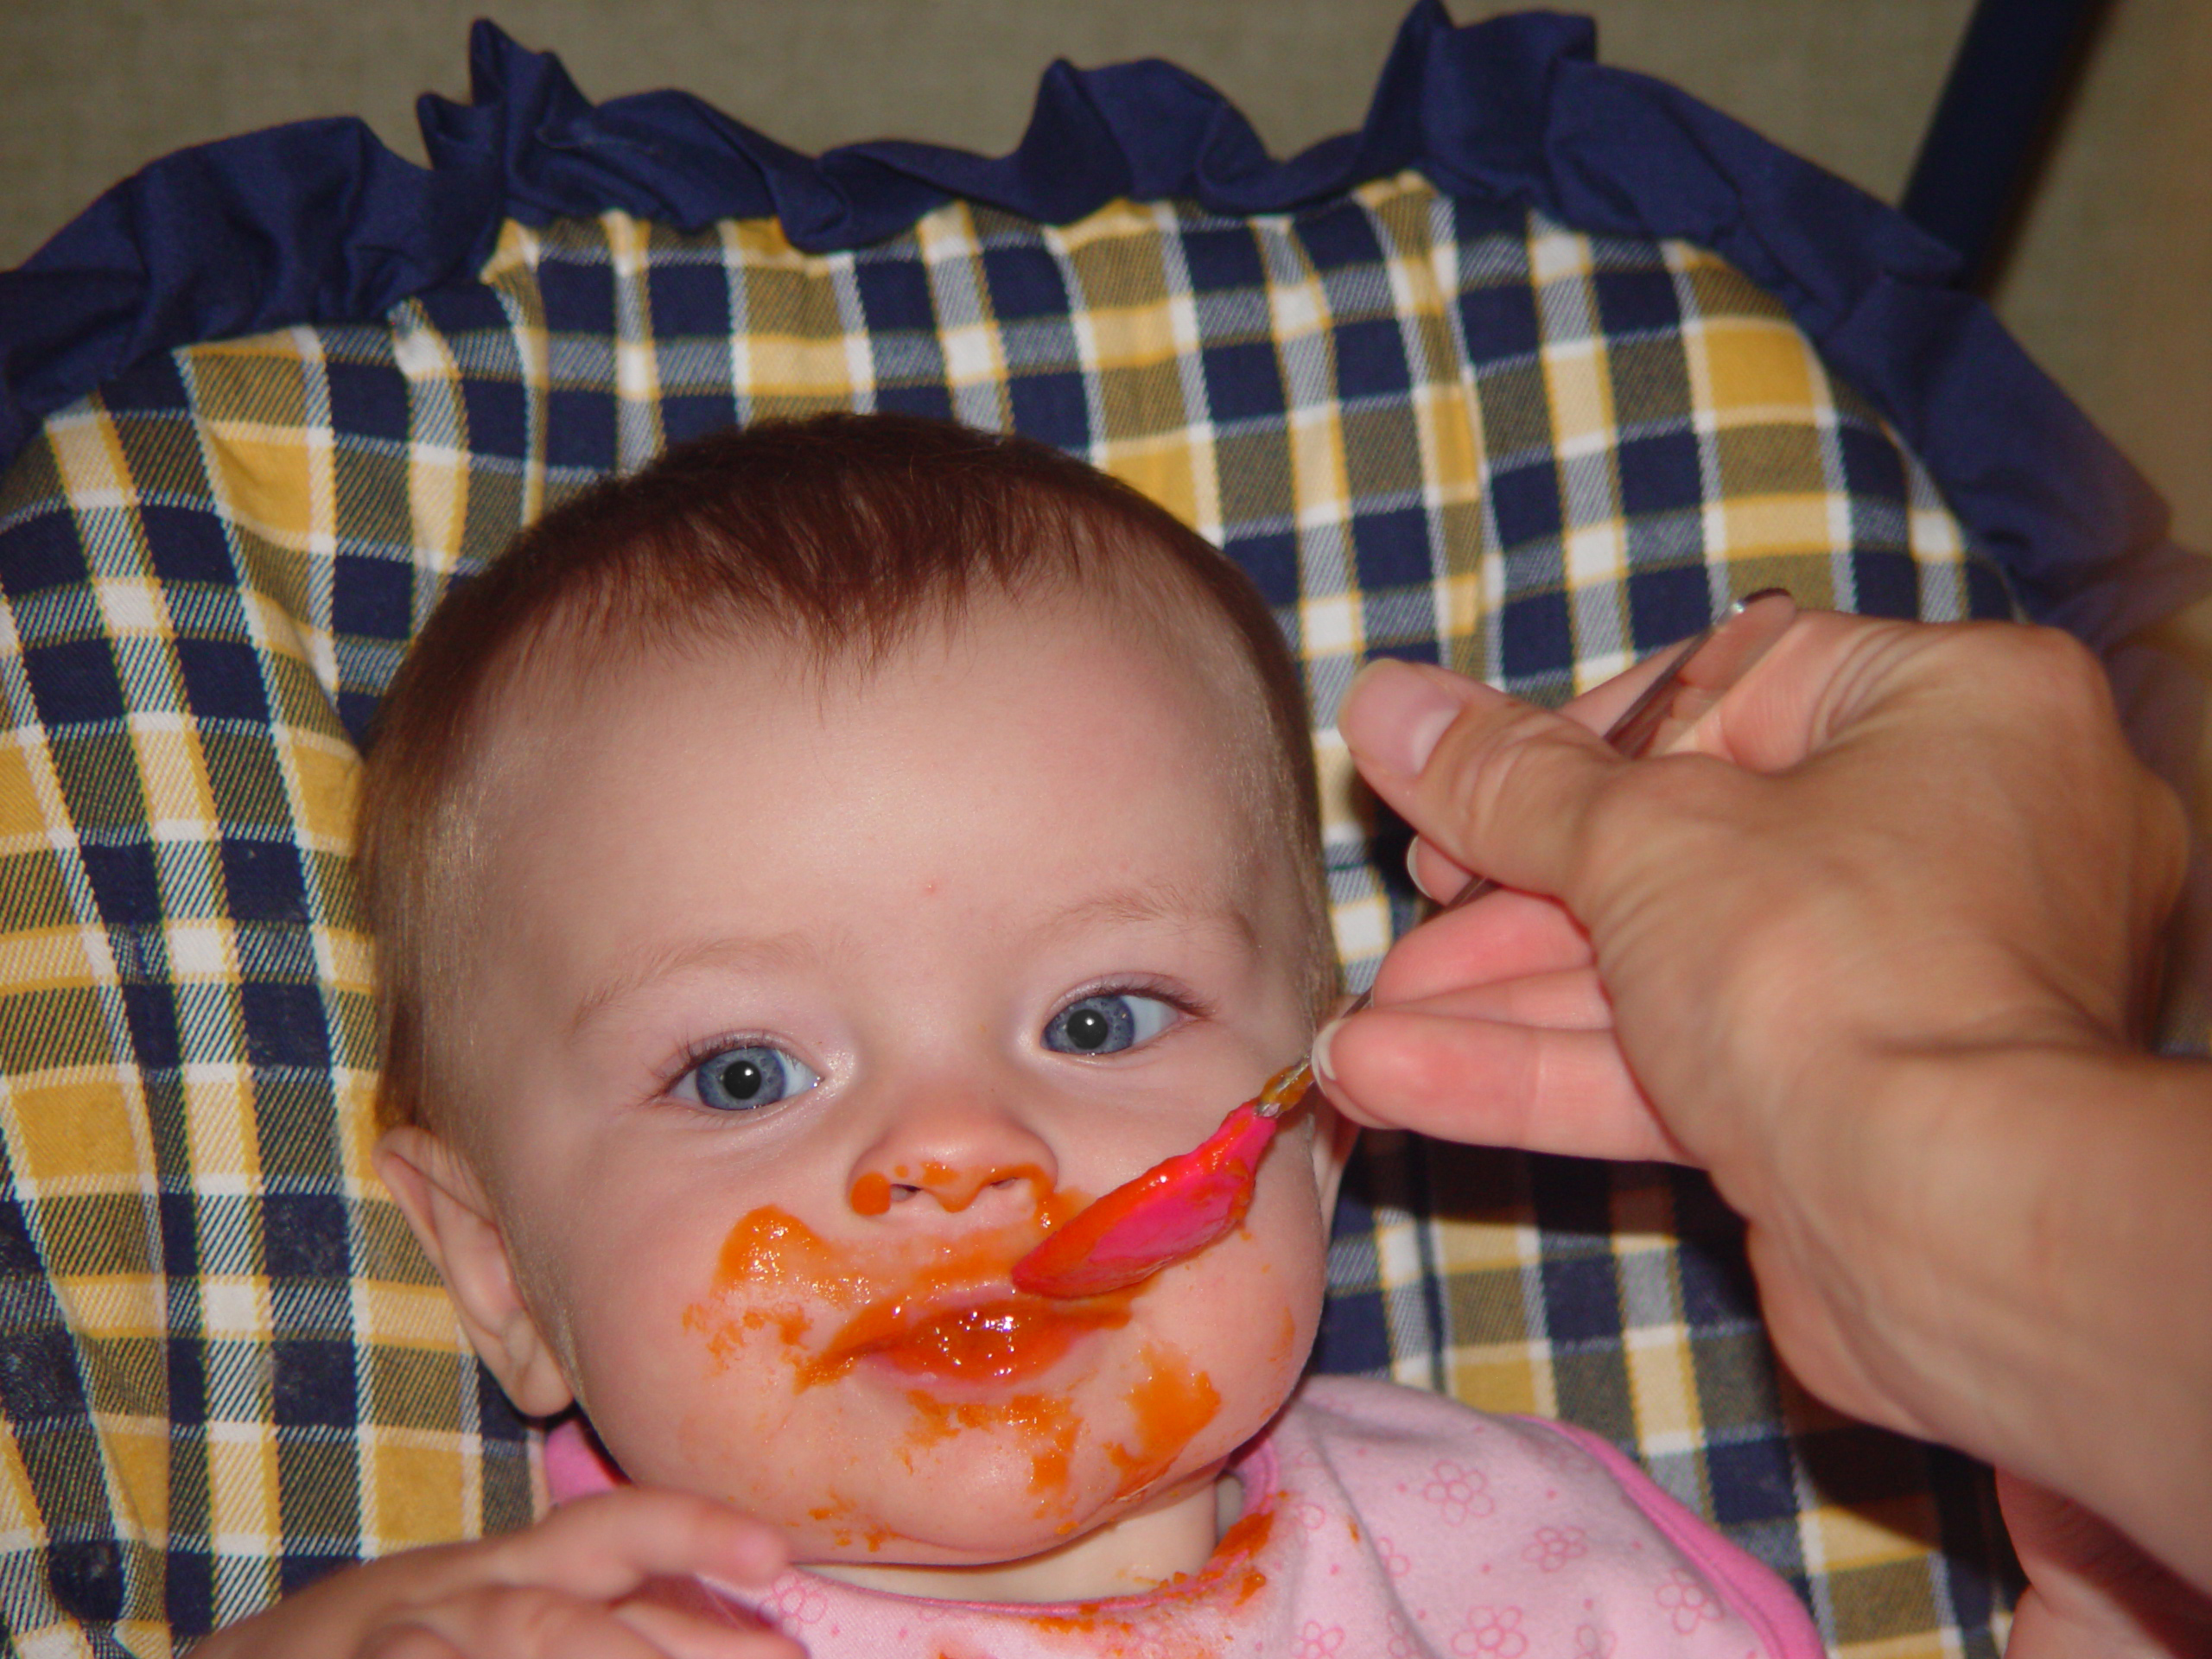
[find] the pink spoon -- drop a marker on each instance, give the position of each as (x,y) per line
(1177,1207)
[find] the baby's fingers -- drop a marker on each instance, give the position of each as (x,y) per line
(533,1622)
(715,1631)
(1490,1083)
(606,1547)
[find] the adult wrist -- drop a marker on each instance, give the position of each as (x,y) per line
(2035,1270)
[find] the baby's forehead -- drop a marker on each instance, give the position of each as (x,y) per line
(1145,607)
(607,727)
(970,720)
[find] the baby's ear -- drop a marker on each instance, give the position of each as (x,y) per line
(445,1203)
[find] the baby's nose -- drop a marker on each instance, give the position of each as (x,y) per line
(953,1187)
(951,1144)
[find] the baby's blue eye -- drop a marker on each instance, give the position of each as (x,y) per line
(746,1079)
(1107,1023)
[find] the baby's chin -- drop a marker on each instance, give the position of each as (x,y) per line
(1112,1547)
(990,1500)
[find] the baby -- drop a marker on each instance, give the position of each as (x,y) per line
(806,872)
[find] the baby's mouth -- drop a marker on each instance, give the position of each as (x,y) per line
(939,1311)
(1006,1339)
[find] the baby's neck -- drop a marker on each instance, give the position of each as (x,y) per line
(1175,1533)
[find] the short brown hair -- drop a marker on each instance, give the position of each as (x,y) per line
(845,532)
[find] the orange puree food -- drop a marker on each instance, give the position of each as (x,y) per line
(770,1248)
(939,1310)
(1000,1341)
(934,1306)
(954,1190)
(1172,1403)
(1045,1420)
(871,1194)
(1228,1580)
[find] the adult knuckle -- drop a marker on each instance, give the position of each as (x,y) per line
(1683,799)
(2048,670)
(404,1642)
(2166,833)
(1508,768)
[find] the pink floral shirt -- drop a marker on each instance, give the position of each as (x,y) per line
(1380,1523)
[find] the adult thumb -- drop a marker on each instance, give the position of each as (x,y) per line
(1496,785)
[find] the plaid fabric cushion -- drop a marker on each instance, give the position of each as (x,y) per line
(1426,427)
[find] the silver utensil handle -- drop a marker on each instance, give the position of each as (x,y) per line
(1711,662)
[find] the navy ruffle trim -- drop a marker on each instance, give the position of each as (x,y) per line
(317,222)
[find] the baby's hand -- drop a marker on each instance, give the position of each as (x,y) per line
(572,1587)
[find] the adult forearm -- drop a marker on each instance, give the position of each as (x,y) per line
(2040,1288)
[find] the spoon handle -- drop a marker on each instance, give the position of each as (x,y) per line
(1707,662)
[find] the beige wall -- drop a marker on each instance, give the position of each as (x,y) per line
(2111,287)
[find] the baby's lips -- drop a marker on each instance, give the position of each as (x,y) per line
(1002,1340)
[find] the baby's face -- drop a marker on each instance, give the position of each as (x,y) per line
(800,1011)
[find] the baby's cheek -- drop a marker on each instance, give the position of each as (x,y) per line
(673,1397)
(680,1415)
(1290,1232)
(1283,1276)
(724,1450)
(1271,1271)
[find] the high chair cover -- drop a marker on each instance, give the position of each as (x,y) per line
(1528,377)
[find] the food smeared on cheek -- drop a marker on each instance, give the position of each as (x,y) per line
(840,1510)
(1170,1404)
(770,1248)
(780,1262)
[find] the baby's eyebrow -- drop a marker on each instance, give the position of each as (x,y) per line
(1200,908)
(1196,908)
(776,951)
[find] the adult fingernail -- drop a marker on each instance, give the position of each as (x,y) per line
(1321,1041)
(1392,716)
(1413,868)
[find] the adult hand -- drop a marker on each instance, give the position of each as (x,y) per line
(2090,1589)
(1873,945)
(607,1577)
